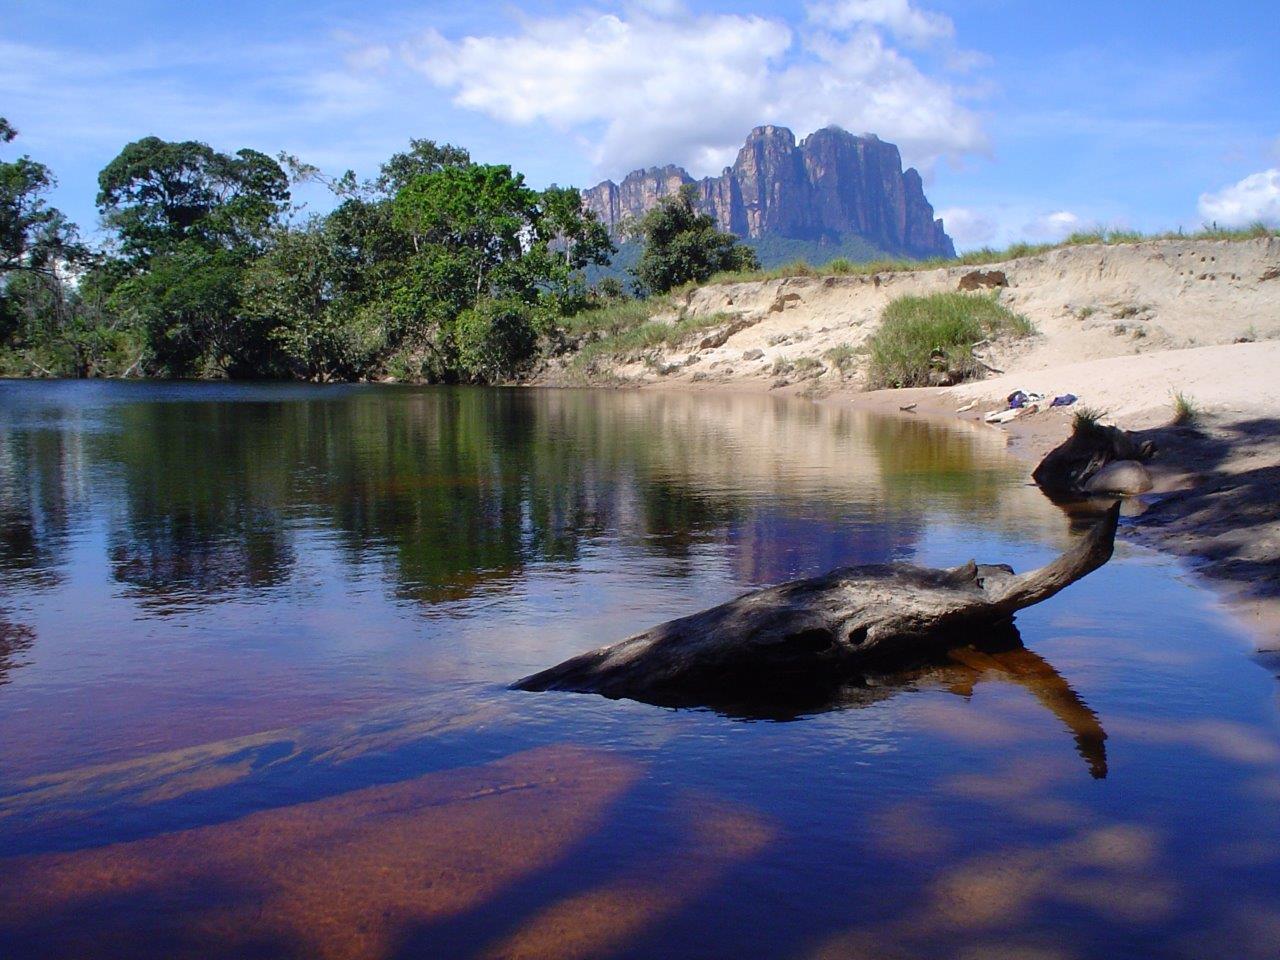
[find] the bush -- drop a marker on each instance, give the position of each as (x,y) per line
(920,334)
(495,340)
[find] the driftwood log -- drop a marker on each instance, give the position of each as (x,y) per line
(800,637)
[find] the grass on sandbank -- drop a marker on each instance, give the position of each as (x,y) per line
(615,341)
(918,335)
(1185,410)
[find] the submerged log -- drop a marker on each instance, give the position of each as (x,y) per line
(821,630)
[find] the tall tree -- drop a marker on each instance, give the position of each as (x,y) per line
(157,193)
(39,250)
(190,221)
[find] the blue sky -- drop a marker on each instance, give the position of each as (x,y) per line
(1027,118)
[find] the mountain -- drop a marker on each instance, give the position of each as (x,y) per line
(828,189)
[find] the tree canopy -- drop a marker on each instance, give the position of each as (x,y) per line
(435,268)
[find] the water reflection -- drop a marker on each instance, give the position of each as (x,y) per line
(266,713)
(456,490)
(15,640)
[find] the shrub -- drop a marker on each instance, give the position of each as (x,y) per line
(841,356)
(495,339)
(921,334)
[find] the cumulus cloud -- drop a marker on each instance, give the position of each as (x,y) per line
(899,17)
(1051,227)
(1253,199)
(642,87)
(969,228)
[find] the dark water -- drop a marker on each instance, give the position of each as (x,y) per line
(254,643)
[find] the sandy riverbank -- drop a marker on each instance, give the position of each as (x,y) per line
(1123,328)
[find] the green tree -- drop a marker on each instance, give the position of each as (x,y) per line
(190,221)
(423,156)
(682,245)
(42,313)
(491,258)
(156,194)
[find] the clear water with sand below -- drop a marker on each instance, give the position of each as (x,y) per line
(254,648)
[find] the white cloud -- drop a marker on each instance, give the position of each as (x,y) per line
(645,88)
(1051,227)
(1255,198)
(899,17)
(969,228)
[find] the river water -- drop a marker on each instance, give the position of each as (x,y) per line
(255,644)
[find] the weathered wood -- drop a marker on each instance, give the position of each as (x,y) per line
(807,632)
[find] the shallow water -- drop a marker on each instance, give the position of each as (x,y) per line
(254,648)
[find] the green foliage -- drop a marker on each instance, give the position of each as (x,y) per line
(46,325)
(190,221)
(936,332)
(157,193)
(423,156)
(682,245)
(613,318)
(495,339)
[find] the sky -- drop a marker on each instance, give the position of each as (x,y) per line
(1029,119)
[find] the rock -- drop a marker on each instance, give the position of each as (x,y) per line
(721,336)
(781,300)
(752,354)
(809,633)
(831,184)
(699,376)
(779,383)
(1120,476)
(983,279)
(1070,465)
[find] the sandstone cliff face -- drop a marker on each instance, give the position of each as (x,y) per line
(830,185)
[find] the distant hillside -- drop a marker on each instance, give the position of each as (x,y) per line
(833,190)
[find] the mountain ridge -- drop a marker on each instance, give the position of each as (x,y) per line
(829,186)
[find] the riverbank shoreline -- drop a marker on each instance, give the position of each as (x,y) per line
(1134,332)
(1214,504)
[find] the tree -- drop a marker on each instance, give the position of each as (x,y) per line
(492,259)
(682,245)
(40,309)
(33,235)
(190,221)
(156,194)
(423,156)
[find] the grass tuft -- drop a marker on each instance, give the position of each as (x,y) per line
(918,335)
(1087,420)
(1185,411)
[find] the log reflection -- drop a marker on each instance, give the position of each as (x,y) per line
(998,657)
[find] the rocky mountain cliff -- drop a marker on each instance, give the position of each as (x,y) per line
(829,186)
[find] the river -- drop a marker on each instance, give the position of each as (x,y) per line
(255,643)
